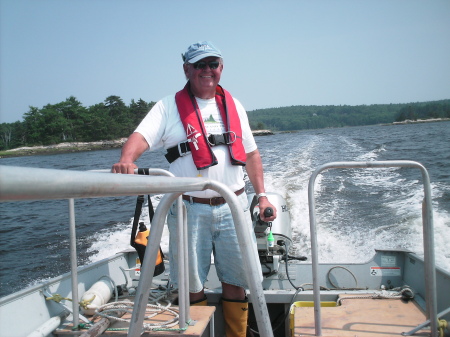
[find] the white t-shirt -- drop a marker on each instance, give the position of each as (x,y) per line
(162,128)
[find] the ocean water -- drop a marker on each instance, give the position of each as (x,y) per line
(357,210)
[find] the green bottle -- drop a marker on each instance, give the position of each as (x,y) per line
(270,239)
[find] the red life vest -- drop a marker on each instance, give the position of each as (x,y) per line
(192,120)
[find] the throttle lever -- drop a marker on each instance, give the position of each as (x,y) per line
(268,212)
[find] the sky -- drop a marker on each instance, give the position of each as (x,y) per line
(276,53)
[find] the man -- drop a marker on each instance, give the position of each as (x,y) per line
(211,130)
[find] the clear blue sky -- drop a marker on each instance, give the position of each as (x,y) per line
(276,53)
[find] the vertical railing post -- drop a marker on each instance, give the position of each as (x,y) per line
(314,254)
(187,303)
(429,255)
(183,278)
(73,263)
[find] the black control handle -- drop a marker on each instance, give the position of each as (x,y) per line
(268,212)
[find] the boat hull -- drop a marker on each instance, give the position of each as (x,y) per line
(387,268)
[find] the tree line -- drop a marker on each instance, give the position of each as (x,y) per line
(317,117)
(70,121)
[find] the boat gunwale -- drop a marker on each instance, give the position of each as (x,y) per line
(58,279)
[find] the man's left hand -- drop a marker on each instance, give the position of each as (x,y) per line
(263,204)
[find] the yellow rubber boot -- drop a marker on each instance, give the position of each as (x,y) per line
(235,314)
(203,302)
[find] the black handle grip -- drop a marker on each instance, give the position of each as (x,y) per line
(268,212)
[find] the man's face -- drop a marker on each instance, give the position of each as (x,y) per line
(204,79)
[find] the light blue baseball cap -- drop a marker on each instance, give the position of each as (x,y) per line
(200,50)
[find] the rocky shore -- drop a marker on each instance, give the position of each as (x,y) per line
(63,148)
(430,120)
(81,146)
(262,133)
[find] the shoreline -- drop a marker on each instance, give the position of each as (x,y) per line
(63,148)
(70,147)
(431,120)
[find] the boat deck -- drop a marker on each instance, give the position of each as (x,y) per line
(361,317)
(200,317)
(354,317)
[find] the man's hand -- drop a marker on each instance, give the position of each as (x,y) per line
(255,173)
(263,204)
(124,168)
(131,151)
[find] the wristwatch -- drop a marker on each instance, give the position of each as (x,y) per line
(261,195)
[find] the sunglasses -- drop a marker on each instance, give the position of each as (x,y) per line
(202,65)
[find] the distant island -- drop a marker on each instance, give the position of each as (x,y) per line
(332,116)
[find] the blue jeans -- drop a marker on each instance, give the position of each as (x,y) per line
(210,231)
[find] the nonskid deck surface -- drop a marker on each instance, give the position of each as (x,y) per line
(354,317)
(362,317)
(200,317)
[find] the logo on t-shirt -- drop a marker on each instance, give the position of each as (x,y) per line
(214,124)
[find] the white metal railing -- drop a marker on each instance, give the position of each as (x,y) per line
(24,183)
(428,236)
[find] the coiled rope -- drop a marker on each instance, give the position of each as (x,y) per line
(112,310)
(405,293)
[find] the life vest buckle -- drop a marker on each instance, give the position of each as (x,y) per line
(225,138)
(185,150)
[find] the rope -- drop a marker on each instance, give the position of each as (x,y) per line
(151,311)
(125,275)
(442,325)
(331,282)
(57,298)
(403,293)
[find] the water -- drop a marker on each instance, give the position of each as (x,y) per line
(357,210)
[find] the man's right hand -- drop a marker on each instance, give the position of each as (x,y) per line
(131,151)
(124,168)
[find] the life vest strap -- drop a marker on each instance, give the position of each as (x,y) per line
(182,149)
